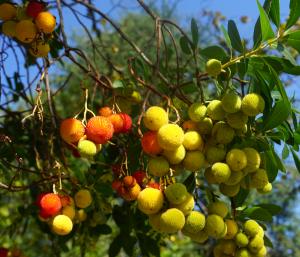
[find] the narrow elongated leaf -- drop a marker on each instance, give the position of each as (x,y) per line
(266,29)
(268,242)
(185,45)
(294,13)
(227,38)
(275,12)
(234,36)
(296,158)
(285,152)
(293,40)
(271,165)
(195,32)
(214,52)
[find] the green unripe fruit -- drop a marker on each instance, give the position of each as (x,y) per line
(230,191)
(228,247)
(158,166)
(237,120)
(266,189)
(236,159)
(172,220)
(234,178)
(232,229)
(215,110)
(253,104)
(154,221)
(170,137)
(197,112)
(215,226)
(253,160)
(176,156)
(205,126)
(210,178)
(221,172)
(199,237)
(251,228)
(219,208)
(192,141)
(231,102)
(155,117)
(213,67)
(187,206)
(150,200)
(243,253)
(225,134)
(87,148)
(194,160)
(255,244)
(215,154)
(176,193)
(194,222)
(241,240)
(259,179)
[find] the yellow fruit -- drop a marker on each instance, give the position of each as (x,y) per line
(155,117)
(194,222)
(194,160)
(251,228)
(69,211)
(232,229)
(234,178)
(243,253)
(150,200)
(80,215)
(215,154)
(39,49)
(215,226)
(210,178)
(259,179)
(87,148)
(237,120)
(45,22)
(9,28)
(236,159)
(7,11)
(241,240)
(158,166)
(187,206)
(225,134)
(155,222)
(266,189)
(253,160)
(262,252)
(205,126)
(170,137)
(221,172)
(62,225)
(230,191)
(26,31)
(253,104)
(199,237)
(220,208)
(83,198)
(172,220)
(192,141)
(176,156)
(231,102)
(255,244)
(215,110)
(228,247)
(218,252)
(176,193)
(197,111)
(213,67)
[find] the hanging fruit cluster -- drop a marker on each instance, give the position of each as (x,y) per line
(31,24)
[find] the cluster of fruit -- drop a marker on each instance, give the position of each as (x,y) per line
(59,211)
(86,140)
(6,252)
(30,24)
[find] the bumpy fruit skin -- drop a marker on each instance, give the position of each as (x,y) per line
(127,122)
(225,134)
(194,222)
(133,193)
(215,154)
(117,122)
(262,252)
(259,179)
(253,160)
(87,148)
(34,8)
(62,225)
(215,110)
(241,240)
(234,178)
(229,190)
(140,176)
(213,67)
(150,144)
(26,31)
(232,229)
(209,176)
(170,136)
(155,117)
(221,172)
(205,126)
(39,49)
(215,226)
(105,111)
(228,247)
(71,130)
(231,102)
(255,244)
(45,22)
(192,141)
(150,200)
(197,112)
(129,181)
(251,228)
(99,129)
(253,104)
(83,198)
(172,220)
(237,120)
(220,208)
(155,222)
(3,251)
(69,211)
(176,156)
(199,237)
(66,200)
(236,159)
(187,206)
(158,166)
(50,204)
(7,11)
(194,160)
(9,28)
(176,193)
(266,189)
(243,253)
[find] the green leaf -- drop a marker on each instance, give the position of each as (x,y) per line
(268,242)
(294,13)
(296,159)
(266,29)
(257,213)
(293,39)
(271,208)
(240,198)
(195,32)
(227,38)
(285,152)
(275,12)
(234,36)
(190,183)
(271,165)
(185,45)
(115,246)
(215,52)
(118,84)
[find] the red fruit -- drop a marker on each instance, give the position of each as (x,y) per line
(116,169)
(116,184)
(121,191)
(150,144)
(76,153)
(127,122)
(71,130)
(117,121)
(34,8)
(140,176)
(50,204)
(129,181)
(3,252)
(105,111)
(65,200)
(39,198)
(44,215)
(153,185)
(99,129)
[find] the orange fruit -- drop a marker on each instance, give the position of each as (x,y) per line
(50,204)
(150,144)
(116,184)
(117,122)
(127,122)
(66,200)
(132,193)
(105,111)
(71,130)
(26,31)
(39,49)
(189,125)
(129,181)
(7,11)
(45,22)
(99,129)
